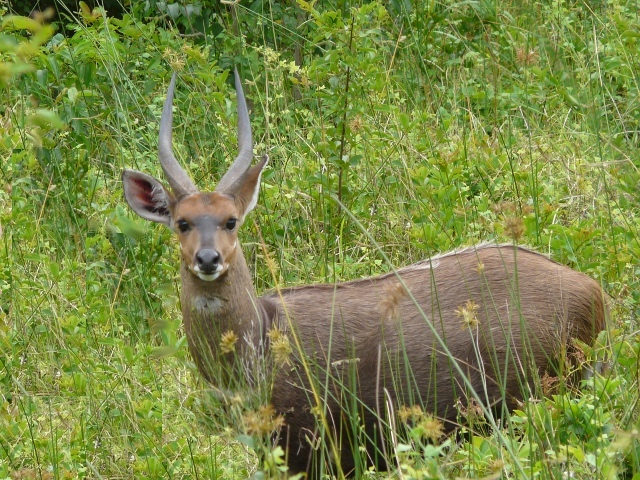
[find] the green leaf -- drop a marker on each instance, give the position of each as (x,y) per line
(307,6)
(45,119)
(174,10)
(163,351)
(55,270)
(405,121)
(17,22)
(246,440)
(72,93)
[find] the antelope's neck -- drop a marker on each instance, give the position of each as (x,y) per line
(226,304)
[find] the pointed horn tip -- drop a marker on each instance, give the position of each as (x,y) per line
(238,82)
(172,87)
(166,119)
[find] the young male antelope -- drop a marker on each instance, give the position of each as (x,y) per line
(401,335)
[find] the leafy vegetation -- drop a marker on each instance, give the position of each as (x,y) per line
(434,125)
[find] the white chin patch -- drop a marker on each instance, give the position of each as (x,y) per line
(210,277)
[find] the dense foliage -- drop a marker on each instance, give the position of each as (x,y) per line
(396,130)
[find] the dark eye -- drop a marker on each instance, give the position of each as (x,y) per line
(183,225)
(231,223)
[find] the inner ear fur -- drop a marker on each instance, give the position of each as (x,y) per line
(246,190)
(147,196)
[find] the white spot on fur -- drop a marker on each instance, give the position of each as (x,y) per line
(206,305)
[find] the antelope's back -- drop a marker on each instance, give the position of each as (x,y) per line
(503,313)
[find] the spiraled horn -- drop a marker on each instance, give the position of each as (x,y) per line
(178,179)
(245,143)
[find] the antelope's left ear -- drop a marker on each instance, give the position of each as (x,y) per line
(246,189)
(147,196)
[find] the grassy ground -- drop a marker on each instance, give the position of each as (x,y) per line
(436,125)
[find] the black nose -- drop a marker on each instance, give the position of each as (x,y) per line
(207,260)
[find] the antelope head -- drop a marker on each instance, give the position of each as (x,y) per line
(206,223)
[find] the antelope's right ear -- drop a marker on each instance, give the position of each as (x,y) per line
(147,196)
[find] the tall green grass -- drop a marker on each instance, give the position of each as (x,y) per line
(435,125)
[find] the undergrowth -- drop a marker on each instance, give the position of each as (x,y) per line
(436,125)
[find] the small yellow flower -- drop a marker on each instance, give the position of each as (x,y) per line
(413,414)
(431,428)
(316,411)
(469,314)
(422,424)
(497,465)
(174,59)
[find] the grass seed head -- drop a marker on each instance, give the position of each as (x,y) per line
(514,227)
(280,346)
(228,341)
(527,56)
(549,384)
(263,421)
(472,412)
(388,305)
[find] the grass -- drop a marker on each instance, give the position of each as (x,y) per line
(457,122)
